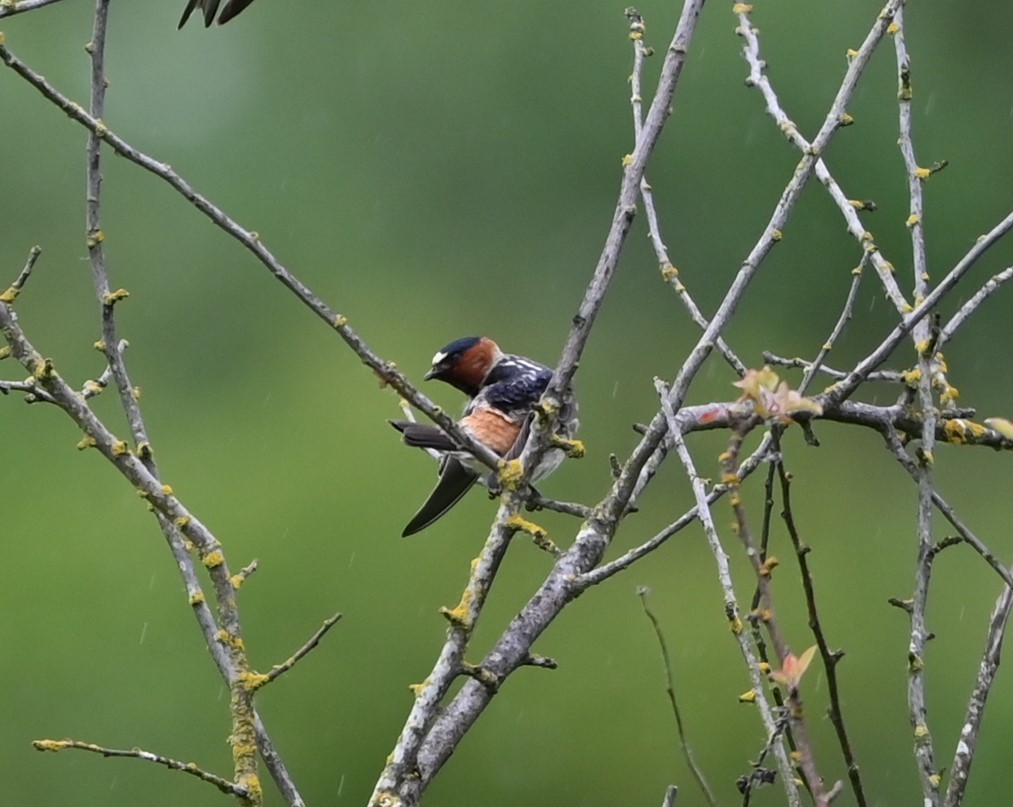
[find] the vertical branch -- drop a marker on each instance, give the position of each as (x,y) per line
(767,615)
(917,707)
(830,658)
(224,636)
(915,174)
(95,237)
(732,613)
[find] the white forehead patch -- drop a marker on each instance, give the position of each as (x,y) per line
(439,357)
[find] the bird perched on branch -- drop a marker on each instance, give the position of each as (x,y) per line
(210,7)
(503,390)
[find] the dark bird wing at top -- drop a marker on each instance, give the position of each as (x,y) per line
(210,7)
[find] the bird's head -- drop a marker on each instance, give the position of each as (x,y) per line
(465,363)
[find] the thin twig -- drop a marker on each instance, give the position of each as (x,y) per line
(668,270)
(8,8)
(666,660)
(15,288)
(224,785)
(964,312)
(831,658)
(842,320)
(311,643)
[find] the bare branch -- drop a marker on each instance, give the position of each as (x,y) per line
(960,769)
(224,785)
(299,654)
(666,660)
(8,8)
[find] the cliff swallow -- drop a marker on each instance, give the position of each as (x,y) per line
(502,389)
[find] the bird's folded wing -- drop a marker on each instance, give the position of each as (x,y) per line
(422,435)
(455,481)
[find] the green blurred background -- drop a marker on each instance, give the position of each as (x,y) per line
(434,170)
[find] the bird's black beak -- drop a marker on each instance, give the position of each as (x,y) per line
(433,373)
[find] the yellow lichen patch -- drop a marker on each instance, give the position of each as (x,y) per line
(5,352)
(959,430)
(776,235)
(523,525)
(510,473)
(252,680)
(340,321)
(230,639)
(892,28)
(419,688)
(9,296)
(51,745)
(167,490)
(237,581)
(143,450)
(574,448)
(627,160)
(460,615)
(736,625)
(741,8)
(749,696)
(669,272)
(768,566)
(912,220)
(43,370)
(948,394)
(86,442)
(846,119)
(921,731)
(912,377)
(923,173)
(213,559)
(96,239)
(851,53)
(796,756)
(763,667)
(182,522)
(197,598)
(120,448)
(99,345)
(115,296)
(935,780)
